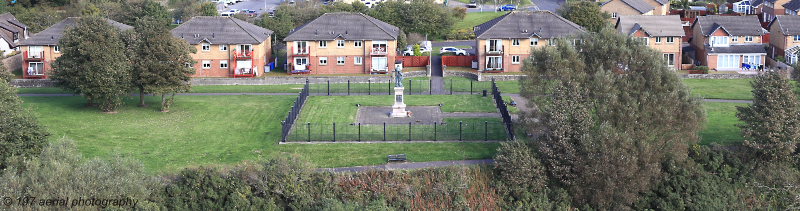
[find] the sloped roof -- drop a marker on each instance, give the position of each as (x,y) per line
(220,30)
(662,2)
(793,5)
(734,25)
(736,49)
(789,24)
(653,25)
(526,24)
(347,25)
(638,5)
(51,35)
(8,26)
(755,3)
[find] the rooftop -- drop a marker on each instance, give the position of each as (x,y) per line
(51,35)
(526,24)
(220,30)
(734,25)
(348,26)
(652,25)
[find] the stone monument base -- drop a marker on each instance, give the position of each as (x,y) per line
(398,108)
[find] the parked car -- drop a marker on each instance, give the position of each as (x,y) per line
(229,12)
(507,7)
(410,50)
(472,4)
(454,50)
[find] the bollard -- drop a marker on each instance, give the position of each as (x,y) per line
(348,87)
(384,131)
(369,87)
(434,130)
(484,93)
(451,86)
(309,132)
(409,131)
(470,87)
(359,132)
(459,130)
(334,131)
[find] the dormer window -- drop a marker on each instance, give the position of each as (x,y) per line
(16,37)
(719,41)
(206,46)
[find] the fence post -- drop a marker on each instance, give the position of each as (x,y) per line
(451,86)
(334,131)
(329,87)
(459,130)
(309,131)
(434,130)
(409,131)
(369,87)
(409,86)
(470,87)
(359,132)
(430,87)
(348,87)
(384,131)
(486,131)
(390,86)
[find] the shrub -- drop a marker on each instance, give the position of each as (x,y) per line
(780,59)
(461,34)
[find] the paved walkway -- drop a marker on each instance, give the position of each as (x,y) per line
(403,166)
(437,82)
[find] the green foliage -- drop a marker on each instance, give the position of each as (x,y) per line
(20,132)
(418,16)
(417,50)
(93,62)
(772,123)
(132,10)
(60,172)
(518,167)
(780,59)
(281,24)
(459,12)
(208,9)
(160,61)
(461,34)
(585,14)
(38,18)
(207,188)
(605,133)
(401,40)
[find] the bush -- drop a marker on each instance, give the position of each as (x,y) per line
(461,34)
(780,59)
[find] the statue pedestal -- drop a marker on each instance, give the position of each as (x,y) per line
(398,108)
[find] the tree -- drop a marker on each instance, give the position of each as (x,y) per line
(132,10)
(281,24)
(20,132)
(586,14)
(160,61)
(518,166)
(418,16)
(772,123)
(604,134)
(208,9)
(93,63)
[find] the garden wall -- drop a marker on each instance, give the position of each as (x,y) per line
(31,83)
(13,62)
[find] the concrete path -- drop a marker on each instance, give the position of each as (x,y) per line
(403,166)
(727,101)
(437,82)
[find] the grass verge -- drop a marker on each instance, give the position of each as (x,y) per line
(475,18)
(721,124)
(328,109)
(729,89)
(461,84)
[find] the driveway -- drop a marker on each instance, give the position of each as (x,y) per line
(456,43)
(255,5)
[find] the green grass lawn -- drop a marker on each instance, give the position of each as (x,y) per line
(213,130)
(729,89)
(720,126)
(318,108)
(475,18)
(461,84)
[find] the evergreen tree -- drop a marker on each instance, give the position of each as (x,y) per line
(20,132)
(772,123)
(160,61)
(93,63)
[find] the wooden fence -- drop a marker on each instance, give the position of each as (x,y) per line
(458,61)
(413,61)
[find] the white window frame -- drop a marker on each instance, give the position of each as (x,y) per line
(206,62)
(340,60)
(223,62)
(188,65)
(667,59)
(323,60)
(489,58)
(748,38)
(720,41)
(730,61)
(340,43)
(658,39)
(734,39)
(552,42)
(534,41)
(323,44)
(223,47)
(644,40)
(34,51)
(56,49)
(358,44)
(498,44)
(358,60)
(751,59)
(514,42)
(515,59)
(38,64)
(670,39)
(613,15)
(205,47)
(796,38)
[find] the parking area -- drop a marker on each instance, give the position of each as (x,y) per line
(259,6)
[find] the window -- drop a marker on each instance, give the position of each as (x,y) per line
(643,40)
(735,39)
(670,59)
(613,15)
(670,39)
(223,47)
(728,61)
(340,60)
(323,44)
(380,64)
(751,59)
(534,41)
(301,47)
(658,39)
(340,43)
(494,63)
(552,42)
(719,41)
(56,49)
(495,45)
(357,60)
(188,65)
(206,47)
(16,37)
(514,42)
(206,64)
(357,44)
(515,59)
(380,47)
(748,39)
(35,52)
(797,38)
(223,63)
(35,68)
(323,60)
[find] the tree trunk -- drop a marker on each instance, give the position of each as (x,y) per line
(88,102)
(141,97)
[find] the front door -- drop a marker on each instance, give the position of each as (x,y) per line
(379,64)
(301,63)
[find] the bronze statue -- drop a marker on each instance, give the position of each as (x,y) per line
(398,77)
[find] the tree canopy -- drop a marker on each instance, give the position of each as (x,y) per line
(772,123)
(586,14)
(20,132)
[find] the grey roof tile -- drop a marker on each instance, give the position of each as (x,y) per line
(639,5)
(525,24)
(736,49)
(348,26)
(735,25)
(654,25)
(51,35)
(790,24)
(755,3)
(663,2)
(793,5)
(220,30)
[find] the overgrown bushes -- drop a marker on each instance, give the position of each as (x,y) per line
(461,34)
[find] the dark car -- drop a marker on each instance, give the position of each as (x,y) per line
(472,4)
(507,7)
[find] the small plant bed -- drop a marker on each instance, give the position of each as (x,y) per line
(720,124)
(728,89)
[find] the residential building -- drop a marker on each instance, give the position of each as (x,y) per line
(371,3)
(226,46)
(41,49)
(792,7)
(773,8)
(660,32)
(785,40)
(627,7)
(661,6)
(504,42)
(743,6)
(728,42)
(336,43)
(11,32)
